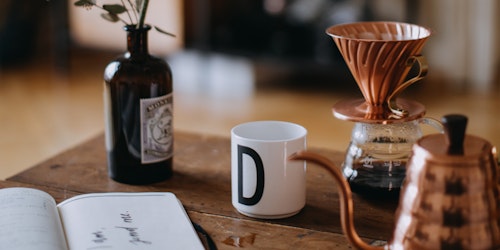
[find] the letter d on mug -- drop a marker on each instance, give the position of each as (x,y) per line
(265,184)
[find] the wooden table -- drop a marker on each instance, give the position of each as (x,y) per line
(202,181)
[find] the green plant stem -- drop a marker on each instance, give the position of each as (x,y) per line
(142,15)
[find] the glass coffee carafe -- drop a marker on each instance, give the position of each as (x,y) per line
(377,155)
(380,56)
(450,199)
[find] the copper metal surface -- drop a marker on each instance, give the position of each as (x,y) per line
(379,56)
(357,110)
(448,200)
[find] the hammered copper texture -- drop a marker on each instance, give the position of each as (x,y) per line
(449,202)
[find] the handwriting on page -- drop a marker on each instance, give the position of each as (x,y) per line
(99,236)
(142,221)
(132,231)
(134,235)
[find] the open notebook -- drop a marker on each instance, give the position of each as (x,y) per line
(30,219)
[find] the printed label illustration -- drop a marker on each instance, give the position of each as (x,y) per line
(156,127)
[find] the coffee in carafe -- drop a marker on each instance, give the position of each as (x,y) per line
(449,199)
(379,56)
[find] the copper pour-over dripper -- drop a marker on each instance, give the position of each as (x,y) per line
(379,56)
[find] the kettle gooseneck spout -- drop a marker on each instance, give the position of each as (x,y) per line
(346,204)
(450,197)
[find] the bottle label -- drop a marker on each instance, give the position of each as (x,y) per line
(156,128)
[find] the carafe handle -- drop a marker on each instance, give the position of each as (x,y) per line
(433,123)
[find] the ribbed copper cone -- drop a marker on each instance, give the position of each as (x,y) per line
(379,56)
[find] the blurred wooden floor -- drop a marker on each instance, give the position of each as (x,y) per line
(43,112)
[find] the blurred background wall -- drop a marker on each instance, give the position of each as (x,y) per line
(463,53)
(233,61)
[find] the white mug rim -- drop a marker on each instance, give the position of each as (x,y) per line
(241,131)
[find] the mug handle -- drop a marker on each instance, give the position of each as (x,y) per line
(423,67)
(433,123)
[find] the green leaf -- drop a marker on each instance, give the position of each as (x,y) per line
(85,3)
(110,17)
(164,32)
(114,8)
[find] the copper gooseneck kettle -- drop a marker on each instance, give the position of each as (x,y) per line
(450,197)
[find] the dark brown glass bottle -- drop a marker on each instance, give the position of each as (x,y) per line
(138,113)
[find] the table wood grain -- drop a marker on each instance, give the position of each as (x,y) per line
(202,181)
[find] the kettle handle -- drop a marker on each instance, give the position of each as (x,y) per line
(455,125)
(346,204)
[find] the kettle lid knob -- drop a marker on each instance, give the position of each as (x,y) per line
(454,129)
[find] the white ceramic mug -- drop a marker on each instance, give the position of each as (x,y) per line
(265,184)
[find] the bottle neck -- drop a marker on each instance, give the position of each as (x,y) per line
(137,40)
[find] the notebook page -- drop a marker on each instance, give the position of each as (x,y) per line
(29,220)
(127,221)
